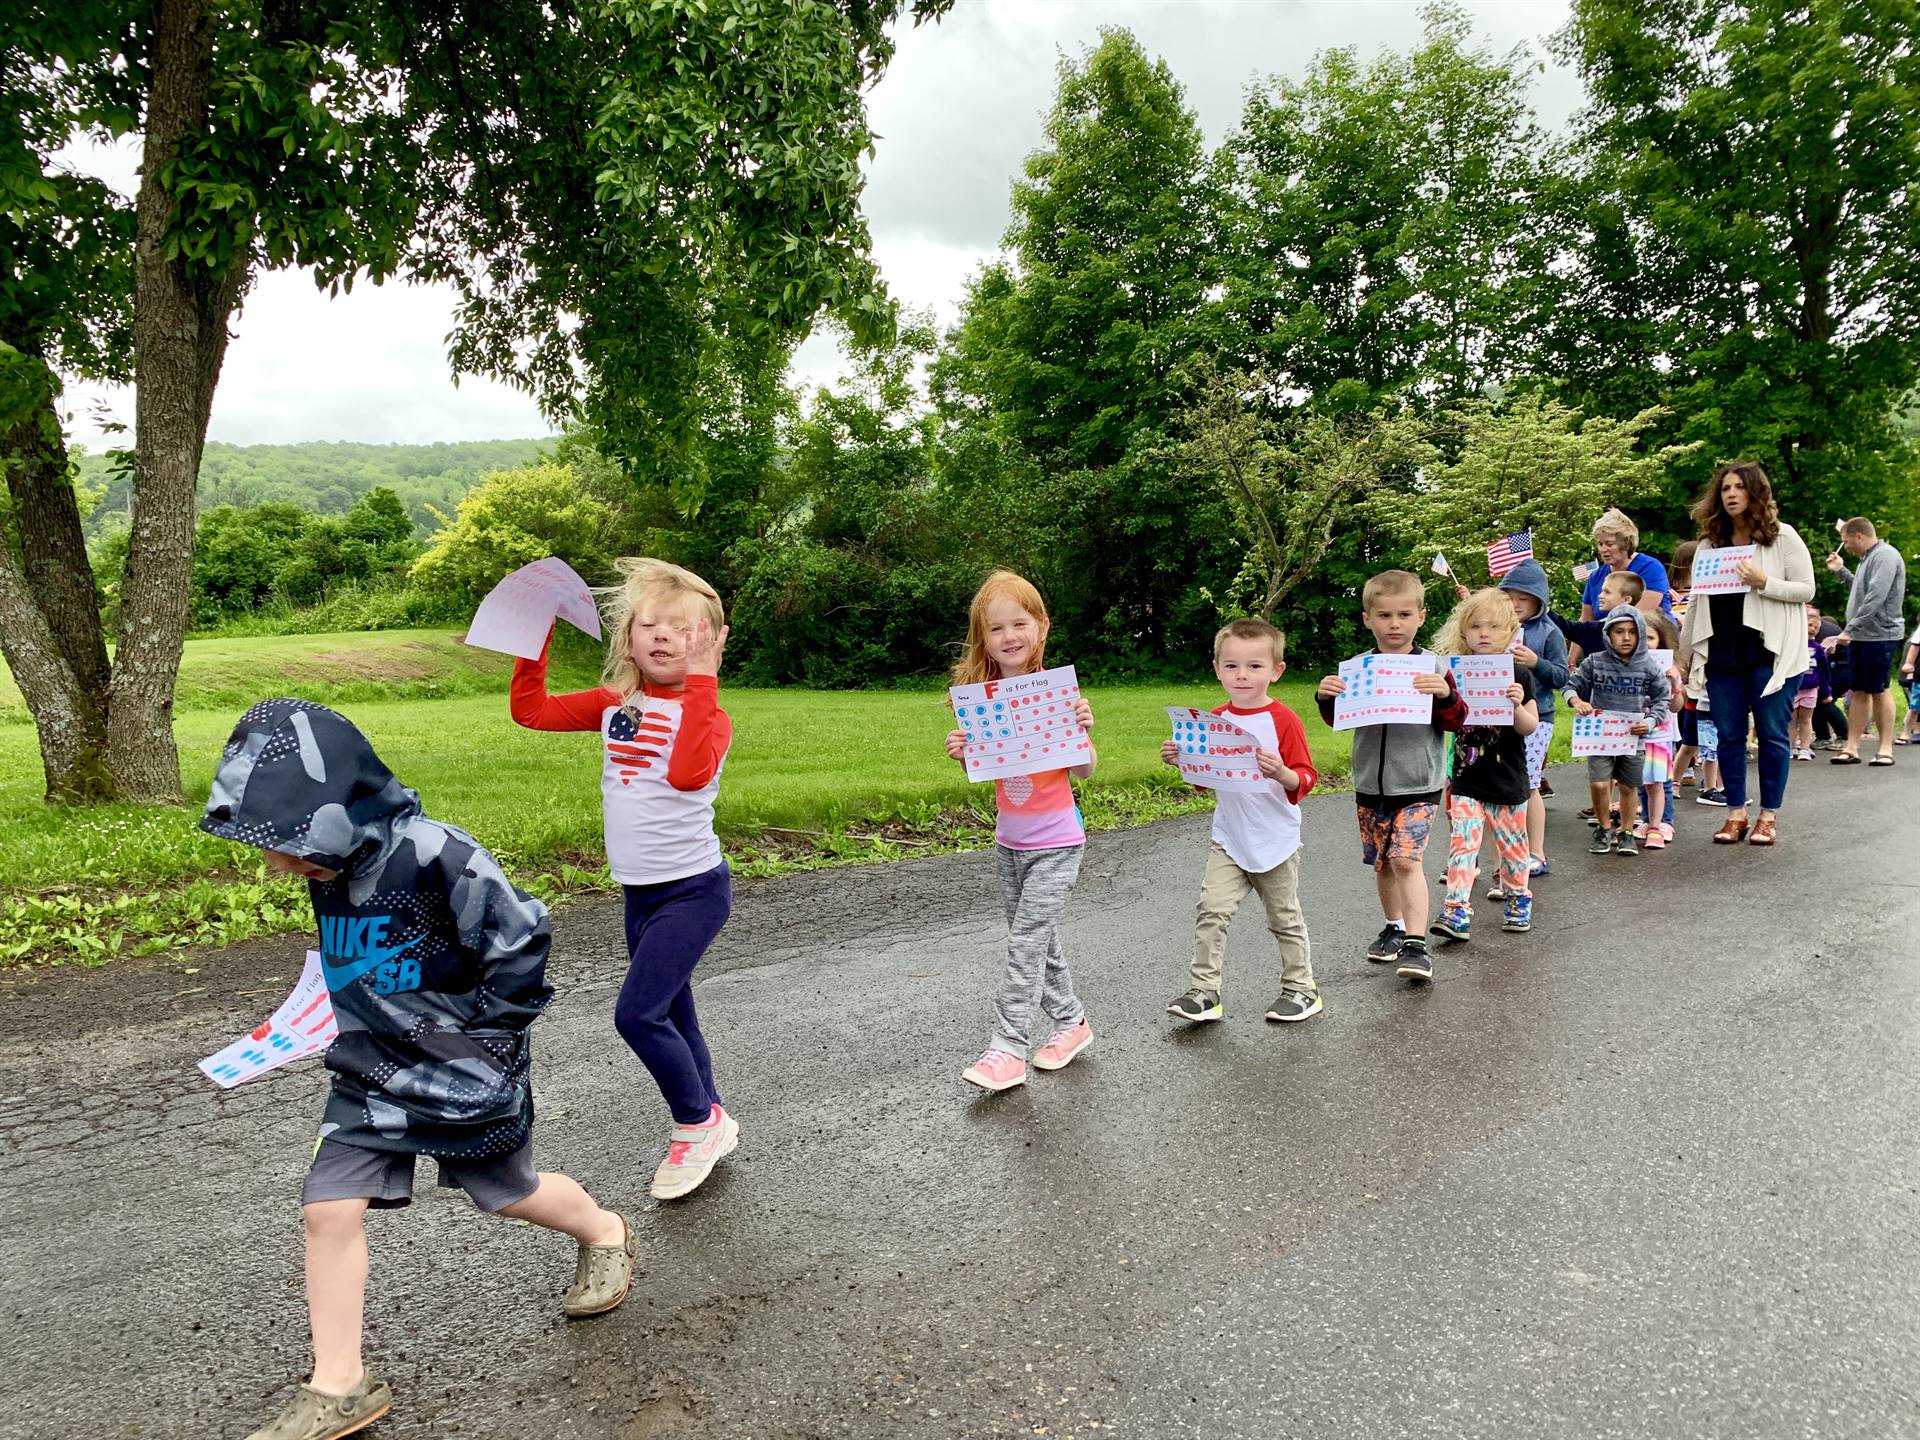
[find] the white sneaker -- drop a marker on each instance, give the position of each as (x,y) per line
(691,1155)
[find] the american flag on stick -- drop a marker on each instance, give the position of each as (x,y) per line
(1508,551)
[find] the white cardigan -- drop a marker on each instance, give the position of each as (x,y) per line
(1778,610)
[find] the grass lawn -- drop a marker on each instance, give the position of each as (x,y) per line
(813,778)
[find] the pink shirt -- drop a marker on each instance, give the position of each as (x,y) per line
(1037,812)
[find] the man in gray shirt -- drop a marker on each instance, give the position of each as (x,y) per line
(1875,595)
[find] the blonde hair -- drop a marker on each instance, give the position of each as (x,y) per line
(1480,605)
(1614,525)
(975,664)
(1252,627)
(649,583)
(1392,582)
(1664,630)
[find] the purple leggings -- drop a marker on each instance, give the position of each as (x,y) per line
(669,927)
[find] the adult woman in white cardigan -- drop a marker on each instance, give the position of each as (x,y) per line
(1748,648)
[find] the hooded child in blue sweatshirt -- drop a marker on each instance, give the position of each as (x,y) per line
(436,966)
(1623,678)
(1542,651)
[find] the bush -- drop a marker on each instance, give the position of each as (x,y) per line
(513,518)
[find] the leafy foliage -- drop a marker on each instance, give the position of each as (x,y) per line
(512,519)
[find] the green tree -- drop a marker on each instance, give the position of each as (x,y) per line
(1383,230)
(512,519)
(1531,463)
(630,195)
(1753,250)
(238,556)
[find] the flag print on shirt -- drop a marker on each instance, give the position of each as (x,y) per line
(633,747)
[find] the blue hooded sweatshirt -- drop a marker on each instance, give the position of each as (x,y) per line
(1636,685)
(435,963)
(1540,635)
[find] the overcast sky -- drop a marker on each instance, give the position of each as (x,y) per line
(959,110)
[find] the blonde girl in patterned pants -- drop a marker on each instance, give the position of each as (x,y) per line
(1488,783)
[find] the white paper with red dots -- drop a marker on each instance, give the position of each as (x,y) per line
(1216,751)
(302,1025)
(1022,725)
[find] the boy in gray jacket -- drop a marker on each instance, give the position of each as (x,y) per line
(1398,774)
(1623,678)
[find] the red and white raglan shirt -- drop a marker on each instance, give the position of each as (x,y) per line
(1260,829)
(661,753)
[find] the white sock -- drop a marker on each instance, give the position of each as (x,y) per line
(1398,924)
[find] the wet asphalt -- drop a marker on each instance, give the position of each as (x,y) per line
(1652,1170)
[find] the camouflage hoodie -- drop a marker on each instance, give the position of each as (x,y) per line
(436,964)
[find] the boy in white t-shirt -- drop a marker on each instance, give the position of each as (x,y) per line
(1256,833)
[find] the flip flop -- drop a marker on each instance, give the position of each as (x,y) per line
(1845,760)
(1881,760)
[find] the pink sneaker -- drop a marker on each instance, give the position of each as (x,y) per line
(996,1070)
(1640,830)
(1058,1052)
(692,1152)
(1666,832)
(1654,840)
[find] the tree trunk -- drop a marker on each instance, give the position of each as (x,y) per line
(51,614)
(180,312)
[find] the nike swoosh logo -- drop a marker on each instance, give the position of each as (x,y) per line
(342,974)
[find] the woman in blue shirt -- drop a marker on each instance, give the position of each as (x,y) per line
(1617,540)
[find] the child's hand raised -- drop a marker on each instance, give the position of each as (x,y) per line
(956,745)
(1332,687)
(1083,712)
(1524,656)
(1169,753)
(1430,683)
(705,648)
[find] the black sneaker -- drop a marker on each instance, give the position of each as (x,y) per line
(1602,841)
(1546,790)
(1197,1005)
(1711,797)
(1385,948)
(1415,963)
(1626,844)
(1295,1005)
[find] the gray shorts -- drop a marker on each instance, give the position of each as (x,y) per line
(384,1178)
(1624,768)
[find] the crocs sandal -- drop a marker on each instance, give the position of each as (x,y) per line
(314,1415)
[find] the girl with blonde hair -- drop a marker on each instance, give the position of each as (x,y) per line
(1039,840)
(1488,784)
(663,740)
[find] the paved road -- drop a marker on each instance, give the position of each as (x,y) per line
(1652,1171)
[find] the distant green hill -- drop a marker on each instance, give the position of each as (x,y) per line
(327,476)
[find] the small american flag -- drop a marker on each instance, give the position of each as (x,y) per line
(1508,551)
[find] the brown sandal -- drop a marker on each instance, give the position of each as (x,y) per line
(1762,832)
(1732,832)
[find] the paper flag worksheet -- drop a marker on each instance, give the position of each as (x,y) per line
(1022,725)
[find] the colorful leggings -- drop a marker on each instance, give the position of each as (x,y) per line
(1470,819)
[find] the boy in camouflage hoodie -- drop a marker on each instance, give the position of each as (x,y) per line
(436,966)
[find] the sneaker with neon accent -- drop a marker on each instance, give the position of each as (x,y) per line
(1058,1052)
(692,1152)
(996,1070)
(1653,839)
(1197,1005)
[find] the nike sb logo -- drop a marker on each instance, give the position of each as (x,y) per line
(355,946)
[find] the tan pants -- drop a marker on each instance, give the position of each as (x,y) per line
(1222,889)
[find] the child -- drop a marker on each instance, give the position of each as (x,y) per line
(1039,840)
(1910,732)
(1815,688)
(1398,771)
(664,739)
(436,966)
(1655,829)
(1256,833)
(1542,651)
(1623,678)
(1588,637)
(1489,785)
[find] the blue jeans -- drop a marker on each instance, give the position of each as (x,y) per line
(1734,697)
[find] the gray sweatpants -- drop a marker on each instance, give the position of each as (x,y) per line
(1035,885)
